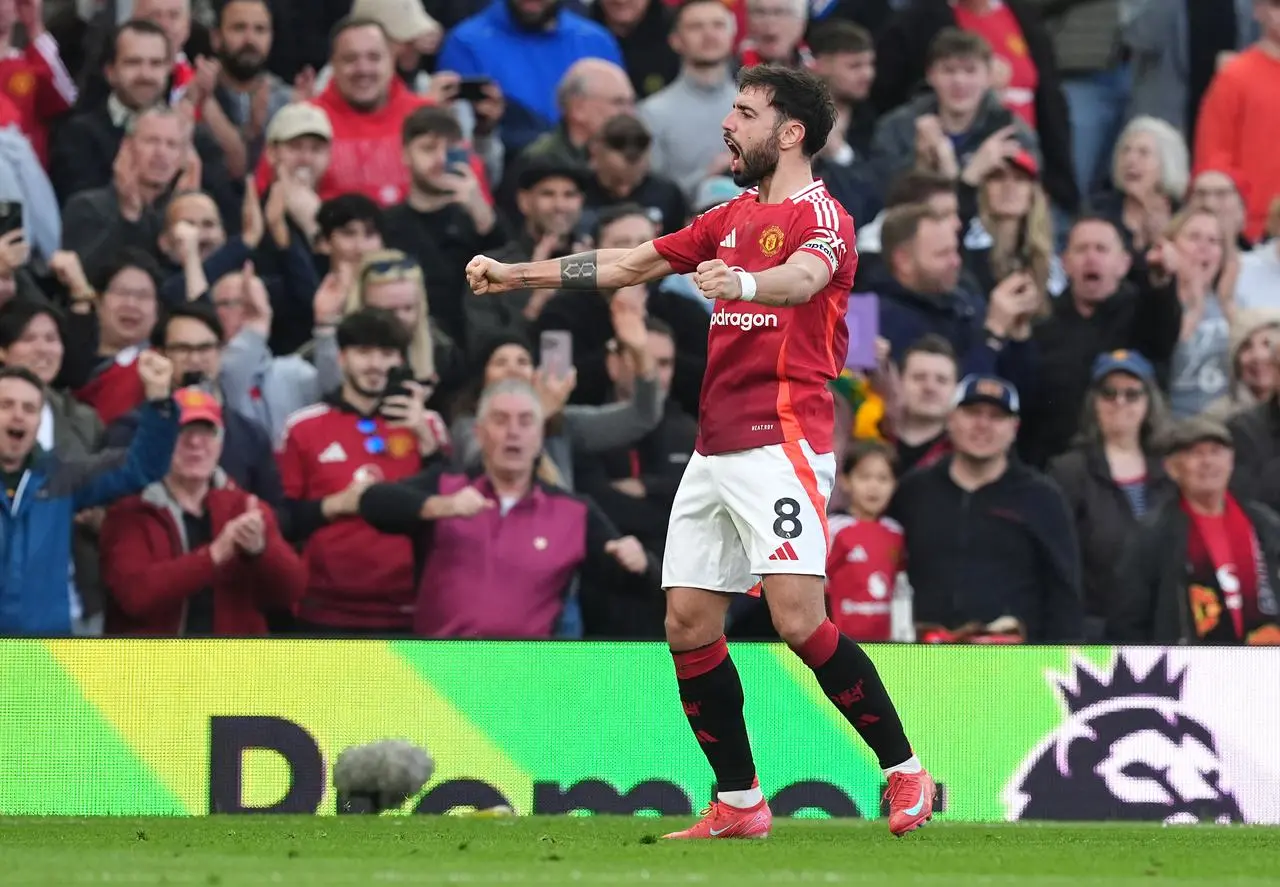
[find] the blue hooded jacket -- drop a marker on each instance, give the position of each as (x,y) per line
(36,521)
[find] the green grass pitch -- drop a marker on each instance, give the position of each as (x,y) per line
(407,850)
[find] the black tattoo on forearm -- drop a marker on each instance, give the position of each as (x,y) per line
(578,272)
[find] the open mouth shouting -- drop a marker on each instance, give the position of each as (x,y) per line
(735,156)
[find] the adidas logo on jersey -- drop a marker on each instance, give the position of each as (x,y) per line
(731,239)
(858,555)
(332,453)
(744,320)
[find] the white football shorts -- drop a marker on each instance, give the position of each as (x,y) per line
(738,516)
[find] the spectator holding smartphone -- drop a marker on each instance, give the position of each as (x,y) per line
(445,220)
(571,427)
(360,581)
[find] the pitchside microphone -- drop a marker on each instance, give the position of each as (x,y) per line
(380,776)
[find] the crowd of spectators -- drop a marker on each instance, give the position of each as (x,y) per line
(246,389)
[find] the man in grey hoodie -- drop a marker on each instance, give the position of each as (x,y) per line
(256,383)
(940,130)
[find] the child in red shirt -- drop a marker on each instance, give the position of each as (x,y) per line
(867,550)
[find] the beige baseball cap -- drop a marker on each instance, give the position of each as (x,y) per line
(403,20)
(299,119)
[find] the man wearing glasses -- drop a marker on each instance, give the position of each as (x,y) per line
(360,581)
(191,337)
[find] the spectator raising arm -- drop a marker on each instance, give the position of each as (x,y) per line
(147,458)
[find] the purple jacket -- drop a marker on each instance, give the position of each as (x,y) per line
(495,575)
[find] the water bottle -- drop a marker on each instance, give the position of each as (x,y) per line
(902,627)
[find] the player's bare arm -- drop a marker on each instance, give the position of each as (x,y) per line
(794,282)
(602,269)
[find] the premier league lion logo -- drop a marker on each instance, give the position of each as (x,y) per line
(1126,750)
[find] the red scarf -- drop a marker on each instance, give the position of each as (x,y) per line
(1225,565)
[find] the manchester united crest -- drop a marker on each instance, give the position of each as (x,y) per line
(21,84)
(401,444)
(771,241)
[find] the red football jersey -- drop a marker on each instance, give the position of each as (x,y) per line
(1000,28)
(862,569)
(358,577)
(39,85)
(768,367)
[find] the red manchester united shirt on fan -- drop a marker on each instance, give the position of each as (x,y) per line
(767,366)
(357,577)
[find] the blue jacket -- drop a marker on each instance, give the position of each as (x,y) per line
(36,524)
(960,318)
(527,65)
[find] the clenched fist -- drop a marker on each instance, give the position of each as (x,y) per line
(716,280)
(486,275)
(156,373)
(629,554)
(468,502)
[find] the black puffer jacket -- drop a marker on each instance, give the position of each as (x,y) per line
(1104,520)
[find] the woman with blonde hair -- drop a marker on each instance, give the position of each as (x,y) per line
(1150,172)
(391,280)
(1190,255)
(1008,228)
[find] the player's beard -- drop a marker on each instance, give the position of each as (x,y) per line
(243,66)
(359,388)
(758,163)
(427,186)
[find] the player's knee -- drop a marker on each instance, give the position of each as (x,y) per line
(795,627)
(689,626)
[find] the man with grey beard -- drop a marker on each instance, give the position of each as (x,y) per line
(445,219)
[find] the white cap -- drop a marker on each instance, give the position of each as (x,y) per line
(403,20)
(299,119)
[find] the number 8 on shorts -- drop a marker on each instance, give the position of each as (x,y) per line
(750,513)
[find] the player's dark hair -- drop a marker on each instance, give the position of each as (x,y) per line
(953,43)
(340,211)
(866,448)
(657,324)
(917,186)
(128,257)
(839,37)
(539,169)
(14,372)
(132,26)
(932,343)
(431,120)
(222,8)
(611,214)
(198,311)
(16,315)
(689,4)
(900,227)
(795,95)
(373,328)
(1093,219)
(350,23)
